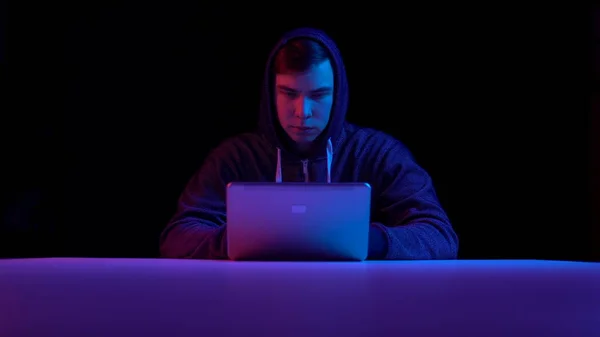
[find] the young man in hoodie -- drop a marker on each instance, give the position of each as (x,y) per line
(303,136)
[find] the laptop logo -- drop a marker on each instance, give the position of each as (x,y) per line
(298,208)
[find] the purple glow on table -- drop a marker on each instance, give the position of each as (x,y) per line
(160,297)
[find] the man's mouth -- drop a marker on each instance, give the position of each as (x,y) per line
(302,128)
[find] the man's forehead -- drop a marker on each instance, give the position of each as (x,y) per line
(319,77)
(296,89)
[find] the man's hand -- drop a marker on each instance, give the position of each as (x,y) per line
(378,242)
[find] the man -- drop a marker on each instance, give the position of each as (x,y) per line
(303,136)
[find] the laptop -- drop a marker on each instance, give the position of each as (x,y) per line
(298,221)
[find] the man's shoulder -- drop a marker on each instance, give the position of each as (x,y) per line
(373,145)
(236,152)
(367,136)
(240,143)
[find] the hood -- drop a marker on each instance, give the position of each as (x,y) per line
(269,125)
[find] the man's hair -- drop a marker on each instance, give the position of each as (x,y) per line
(299,55)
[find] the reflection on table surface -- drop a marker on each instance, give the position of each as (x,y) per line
(159,297)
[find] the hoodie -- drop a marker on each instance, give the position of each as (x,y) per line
(407,220)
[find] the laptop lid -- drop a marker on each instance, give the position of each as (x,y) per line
(298,221)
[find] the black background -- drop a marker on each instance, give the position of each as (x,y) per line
(111,107)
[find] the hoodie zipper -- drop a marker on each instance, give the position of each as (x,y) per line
(305,170)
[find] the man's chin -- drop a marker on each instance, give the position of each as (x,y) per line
(303,140)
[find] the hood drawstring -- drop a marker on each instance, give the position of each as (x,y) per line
(278,175)
(278,172)
(329,159)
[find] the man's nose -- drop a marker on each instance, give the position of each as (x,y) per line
(302,109)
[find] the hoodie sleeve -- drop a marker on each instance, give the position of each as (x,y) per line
(413,224)
(197,230)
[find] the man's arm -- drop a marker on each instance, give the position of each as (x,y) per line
(197,230)
(414,226)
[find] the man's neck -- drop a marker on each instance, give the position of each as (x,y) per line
(304,149)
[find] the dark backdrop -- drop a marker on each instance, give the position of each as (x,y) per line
(113,106)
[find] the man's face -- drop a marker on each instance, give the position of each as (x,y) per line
(304,102)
